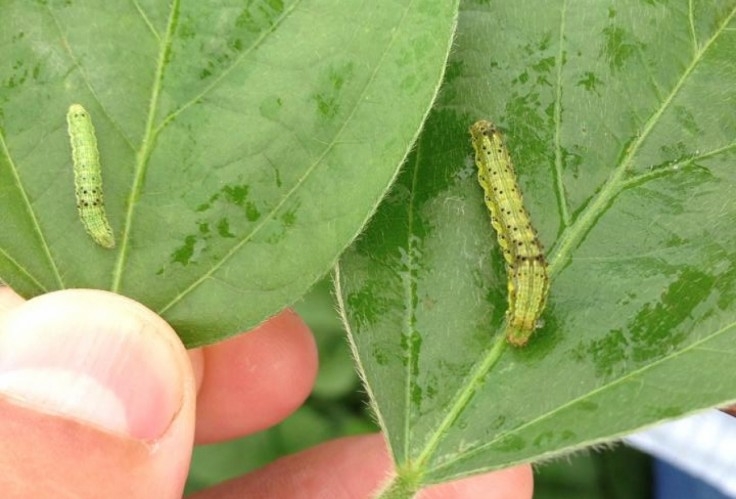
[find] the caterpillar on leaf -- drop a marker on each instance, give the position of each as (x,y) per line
(526,267)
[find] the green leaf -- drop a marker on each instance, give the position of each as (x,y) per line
(620,118)
(243,144)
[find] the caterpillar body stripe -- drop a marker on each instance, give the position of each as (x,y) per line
(88,176)
(526,267)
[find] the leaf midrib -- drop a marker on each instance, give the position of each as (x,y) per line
(572,236)
(144,153)
(152,132)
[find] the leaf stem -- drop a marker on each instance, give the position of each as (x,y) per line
(404,485)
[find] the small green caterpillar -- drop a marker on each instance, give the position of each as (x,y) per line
(526,268)
(88,176)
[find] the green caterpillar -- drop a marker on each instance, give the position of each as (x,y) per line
(526,267)
(88,176)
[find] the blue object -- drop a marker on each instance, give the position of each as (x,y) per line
(671,482)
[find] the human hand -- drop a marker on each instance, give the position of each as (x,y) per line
(99,398)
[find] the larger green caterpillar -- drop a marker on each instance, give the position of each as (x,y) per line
(526,268)
(88,176)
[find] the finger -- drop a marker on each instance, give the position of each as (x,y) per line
(9,300)
(345,468)
(357,467)
(516,482)
(256,379)
(730,410)
(96,399)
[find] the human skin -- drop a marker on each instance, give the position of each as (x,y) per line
(99,398)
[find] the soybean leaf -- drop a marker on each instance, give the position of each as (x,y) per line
(620,121)
(243,144)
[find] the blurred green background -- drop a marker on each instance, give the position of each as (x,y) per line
(338,407)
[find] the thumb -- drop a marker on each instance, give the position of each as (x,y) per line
(96,398)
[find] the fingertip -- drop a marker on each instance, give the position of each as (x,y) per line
(516,482)
(97,399)
(9,300)
(96,357)
(343,468)
(254,380)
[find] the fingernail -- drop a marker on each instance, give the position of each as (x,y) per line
(95,357)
